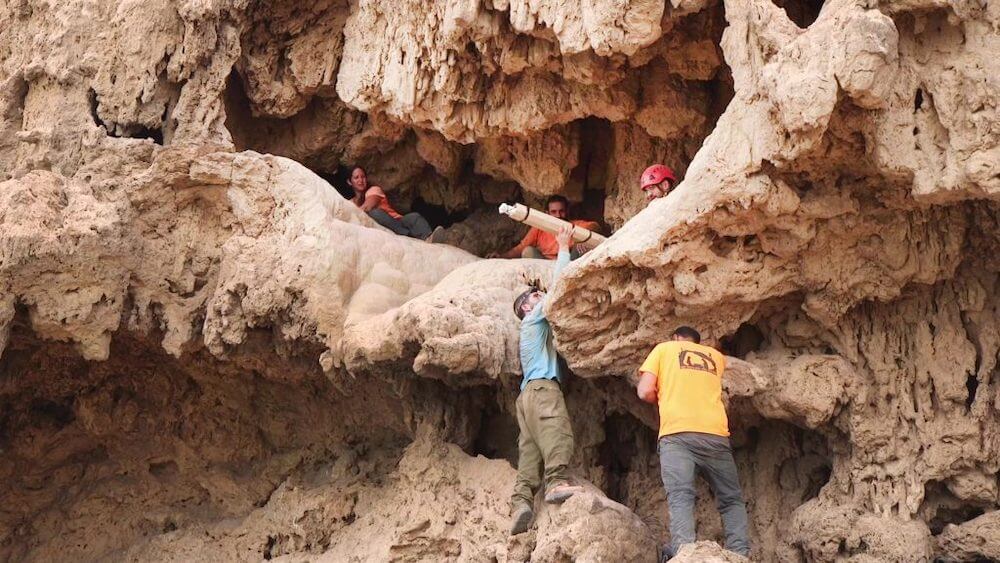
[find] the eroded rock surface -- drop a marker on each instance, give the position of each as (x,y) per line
(206,352)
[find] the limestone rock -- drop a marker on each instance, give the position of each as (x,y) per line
(540,163)
(206,352)
(975,539)
(46,221)
(706,552)
(590,527)
(808,390)
(463,330)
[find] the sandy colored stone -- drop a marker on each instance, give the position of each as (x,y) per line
(975,539)
(206,352)
(706,552)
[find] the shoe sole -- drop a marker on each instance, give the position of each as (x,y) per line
(559,498)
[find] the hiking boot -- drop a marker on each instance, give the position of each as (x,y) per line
(561,492)
(521,520)
(435,234)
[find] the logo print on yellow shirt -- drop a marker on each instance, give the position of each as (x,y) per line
(690,359)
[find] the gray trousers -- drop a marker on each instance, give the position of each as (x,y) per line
(681,455)
(411,225)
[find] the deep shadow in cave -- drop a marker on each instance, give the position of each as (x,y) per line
(134,131)
(802,12)
(624,438)
(747,338)
(941,507)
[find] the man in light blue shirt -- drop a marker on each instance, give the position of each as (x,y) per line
(545,444)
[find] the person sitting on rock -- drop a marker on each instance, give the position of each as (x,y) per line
(373,201)
(545,442)
(684,378)
(657,181)
(540,244)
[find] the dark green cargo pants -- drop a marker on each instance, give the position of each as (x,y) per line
(545,444)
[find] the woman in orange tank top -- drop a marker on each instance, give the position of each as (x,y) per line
(373,201)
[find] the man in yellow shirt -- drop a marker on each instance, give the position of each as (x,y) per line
(684,379)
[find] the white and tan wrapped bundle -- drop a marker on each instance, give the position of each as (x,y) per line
(549,224)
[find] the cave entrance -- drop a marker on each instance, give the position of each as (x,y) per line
(803,13)
(591,171)
(747,338)
(496,434)
(627,443)
(941,507)
(128,130)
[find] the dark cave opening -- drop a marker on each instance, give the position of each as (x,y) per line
(59,412)
(747,338)
(624,438)
(240,120)
(971,385)
(953,515)
(802,12)
(941,507)
(125,130)
(591,171)
(92,100)
(437,215)
(495,434)
(338,178)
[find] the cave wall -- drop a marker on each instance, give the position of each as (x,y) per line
(206,352)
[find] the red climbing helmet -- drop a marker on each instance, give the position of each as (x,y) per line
(656,174)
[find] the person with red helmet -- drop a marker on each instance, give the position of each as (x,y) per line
(657,181)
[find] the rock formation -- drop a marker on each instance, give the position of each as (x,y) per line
(206,352)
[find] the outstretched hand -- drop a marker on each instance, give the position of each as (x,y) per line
(564,237)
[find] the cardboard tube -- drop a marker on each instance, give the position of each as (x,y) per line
(548,223)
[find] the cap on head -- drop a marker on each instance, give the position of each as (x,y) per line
(656,174)
(521,300)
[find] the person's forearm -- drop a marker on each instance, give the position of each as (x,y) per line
(561,260)
(646,394)
(646,387)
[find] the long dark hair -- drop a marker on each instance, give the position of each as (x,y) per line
(350,174)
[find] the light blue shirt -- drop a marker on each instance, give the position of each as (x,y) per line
(538,353)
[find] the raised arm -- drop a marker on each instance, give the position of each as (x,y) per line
(564,237)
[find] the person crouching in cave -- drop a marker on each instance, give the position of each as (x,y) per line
(684,378)
(373,201)
(545,442)
(540,244)
(657,181)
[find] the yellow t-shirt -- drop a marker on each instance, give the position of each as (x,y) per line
(688,387)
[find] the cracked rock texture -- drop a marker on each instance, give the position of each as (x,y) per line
(207,353)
